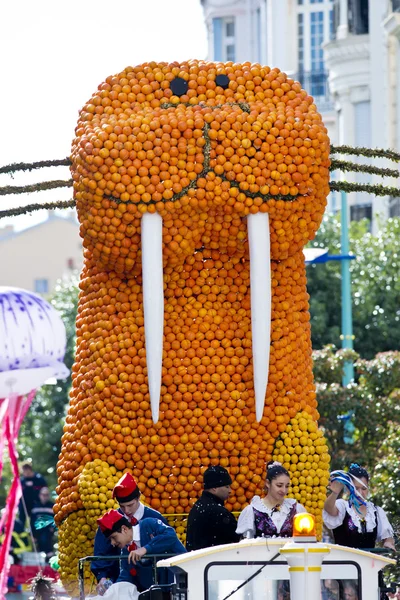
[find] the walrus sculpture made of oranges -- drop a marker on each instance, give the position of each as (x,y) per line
(197,186)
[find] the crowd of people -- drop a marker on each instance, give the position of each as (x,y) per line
(135,530)
(35,520)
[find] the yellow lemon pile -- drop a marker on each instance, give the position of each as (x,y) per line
(76,535)
(77,531)
(303,451)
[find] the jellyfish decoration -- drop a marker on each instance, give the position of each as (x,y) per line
(32,349)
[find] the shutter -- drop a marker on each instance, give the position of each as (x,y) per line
(217,34)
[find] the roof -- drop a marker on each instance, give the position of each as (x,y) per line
(52,219)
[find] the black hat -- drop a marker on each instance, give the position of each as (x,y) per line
(216,476)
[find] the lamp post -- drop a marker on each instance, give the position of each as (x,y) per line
(347,318)
(320,255)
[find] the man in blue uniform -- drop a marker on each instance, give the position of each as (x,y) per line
(134,541)
(127,494)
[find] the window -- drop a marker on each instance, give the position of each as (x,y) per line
(272,581)
(358,16)
(41,286)
(394,207)
(317,54)
(300,42)
(228,42)
(316,1)
(331,25)
(224,39)
(361,211)
(217,35)
(230,52)
(258,33)
(230,28)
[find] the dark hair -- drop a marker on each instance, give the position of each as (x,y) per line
(358,471)
(274,469)
(116,528)
(27,465)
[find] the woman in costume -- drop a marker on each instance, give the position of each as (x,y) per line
(271,516)
(355,522)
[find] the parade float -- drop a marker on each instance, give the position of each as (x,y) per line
(195,183)
(197,186)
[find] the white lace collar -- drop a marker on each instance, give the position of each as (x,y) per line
(285,507)
(370,518)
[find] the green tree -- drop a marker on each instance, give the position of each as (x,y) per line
(375,287)
(373,401)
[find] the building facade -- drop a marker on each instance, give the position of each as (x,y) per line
(288,34)
(346,53)
(363,61)
(36,257)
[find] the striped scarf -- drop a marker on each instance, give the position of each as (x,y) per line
(347,480)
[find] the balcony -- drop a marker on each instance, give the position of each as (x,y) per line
(316,84)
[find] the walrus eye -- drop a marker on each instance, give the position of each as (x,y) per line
(179,86)
(222,81)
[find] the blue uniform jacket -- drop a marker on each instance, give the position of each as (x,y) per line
(157,538)
(103,547)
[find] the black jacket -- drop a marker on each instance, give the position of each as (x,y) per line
(210,524)
(31,487)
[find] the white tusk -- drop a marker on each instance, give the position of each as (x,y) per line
(260,289)
(153,304)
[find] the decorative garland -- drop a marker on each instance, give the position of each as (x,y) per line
(35,187)
(344,165)
(22,210)
(65,162)
(370,152)
(377,190)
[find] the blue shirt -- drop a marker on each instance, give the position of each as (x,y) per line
(157,538)
(103,547)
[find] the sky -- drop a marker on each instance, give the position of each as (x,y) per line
(54,54)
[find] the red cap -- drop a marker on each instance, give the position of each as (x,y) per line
(111,521)
(126,489)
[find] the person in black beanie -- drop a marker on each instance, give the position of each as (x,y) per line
(209,522)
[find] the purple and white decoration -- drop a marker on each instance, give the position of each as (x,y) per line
(32,342)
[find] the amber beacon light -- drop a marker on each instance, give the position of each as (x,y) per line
(304,525)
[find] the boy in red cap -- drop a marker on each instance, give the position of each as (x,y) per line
(127,494)
(134,541)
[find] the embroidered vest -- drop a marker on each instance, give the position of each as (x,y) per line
(265,527)
(347,533)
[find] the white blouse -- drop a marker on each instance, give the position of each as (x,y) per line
(246,523)
(384,529)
